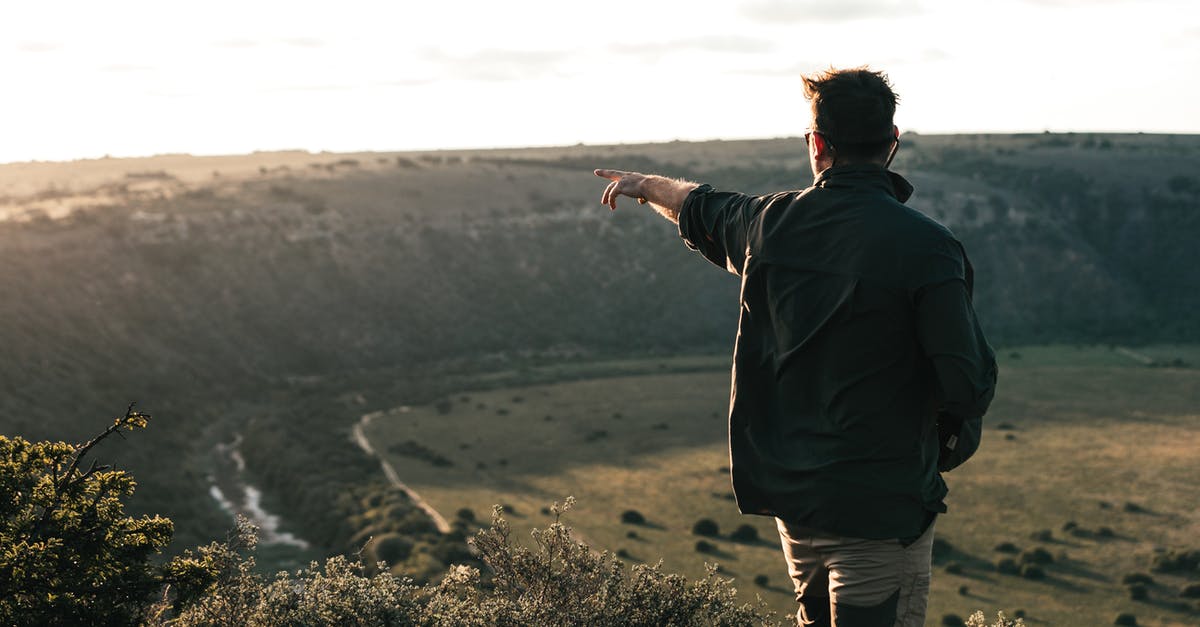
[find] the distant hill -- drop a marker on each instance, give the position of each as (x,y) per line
(241,292)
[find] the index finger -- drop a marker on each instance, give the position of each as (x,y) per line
(611,175)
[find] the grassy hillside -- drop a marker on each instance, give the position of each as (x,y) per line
(1090,456)
(278,296)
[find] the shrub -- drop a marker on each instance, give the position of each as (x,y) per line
(1141,578)
(706,527)
(1176,561)
(1138,592)
(703,546)
(954,568)
(69,553)
(977,620)
(1036,555)
(1126,620)
(1190,591)
(391,548)
(465,514)
(1032,571)
(762,581)
(744,533)
(562,582)
(1042,535)
(559,582)
(1133,508)
(629,517)
(1008,566)
(953,620)
(1006,547)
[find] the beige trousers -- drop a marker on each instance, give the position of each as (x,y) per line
(852,582)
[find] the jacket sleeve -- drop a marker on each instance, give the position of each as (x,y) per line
(717,224)
(951,337)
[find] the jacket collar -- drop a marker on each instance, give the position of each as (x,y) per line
(868,176)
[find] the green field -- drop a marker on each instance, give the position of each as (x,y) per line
(1089,435)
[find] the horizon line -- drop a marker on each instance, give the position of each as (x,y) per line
(211,155)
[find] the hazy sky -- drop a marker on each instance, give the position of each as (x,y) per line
(119,77)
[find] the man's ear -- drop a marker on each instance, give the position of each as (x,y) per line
(821,148)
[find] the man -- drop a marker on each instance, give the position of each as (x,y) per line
(857,343)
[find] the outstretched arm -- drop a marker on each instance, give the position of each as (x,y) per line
(664,194)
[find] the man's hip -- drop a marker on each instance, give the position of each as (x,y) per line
(855,582)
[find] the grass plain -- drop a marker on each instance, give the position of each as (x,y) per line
(1088,437)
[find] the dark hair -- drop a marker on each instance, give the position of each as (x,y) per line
(853,109)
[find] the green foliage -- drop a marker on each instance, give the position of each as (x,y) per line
(744,533)
(558,582)
(632,517)
(563,582)
(1177,561)
(69,553)
(706,527)
(979,620)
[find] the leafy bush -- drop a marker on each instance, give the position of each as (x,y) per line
(1036,555)
(559,582)
(1126,619)
(391,548)
(706,527)
(1177,561)
(632,517)
(744,533)
(68,553)
(978,620)
(1142,578)
(1032,571)
(562,582)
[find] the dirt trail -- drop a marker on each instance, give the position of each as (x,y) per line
(360,438)
(1136,356)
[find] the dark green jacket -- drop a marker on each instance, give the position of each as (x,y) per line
(856,329)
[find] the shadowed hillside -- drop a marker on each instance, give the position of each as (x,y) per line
(280,296)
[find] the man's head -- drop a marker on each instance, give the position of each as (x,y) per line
(852,113)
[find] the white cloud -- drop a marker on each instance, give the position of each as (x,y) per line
(717,44)
(498,64)
(39,46)
(807,11)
